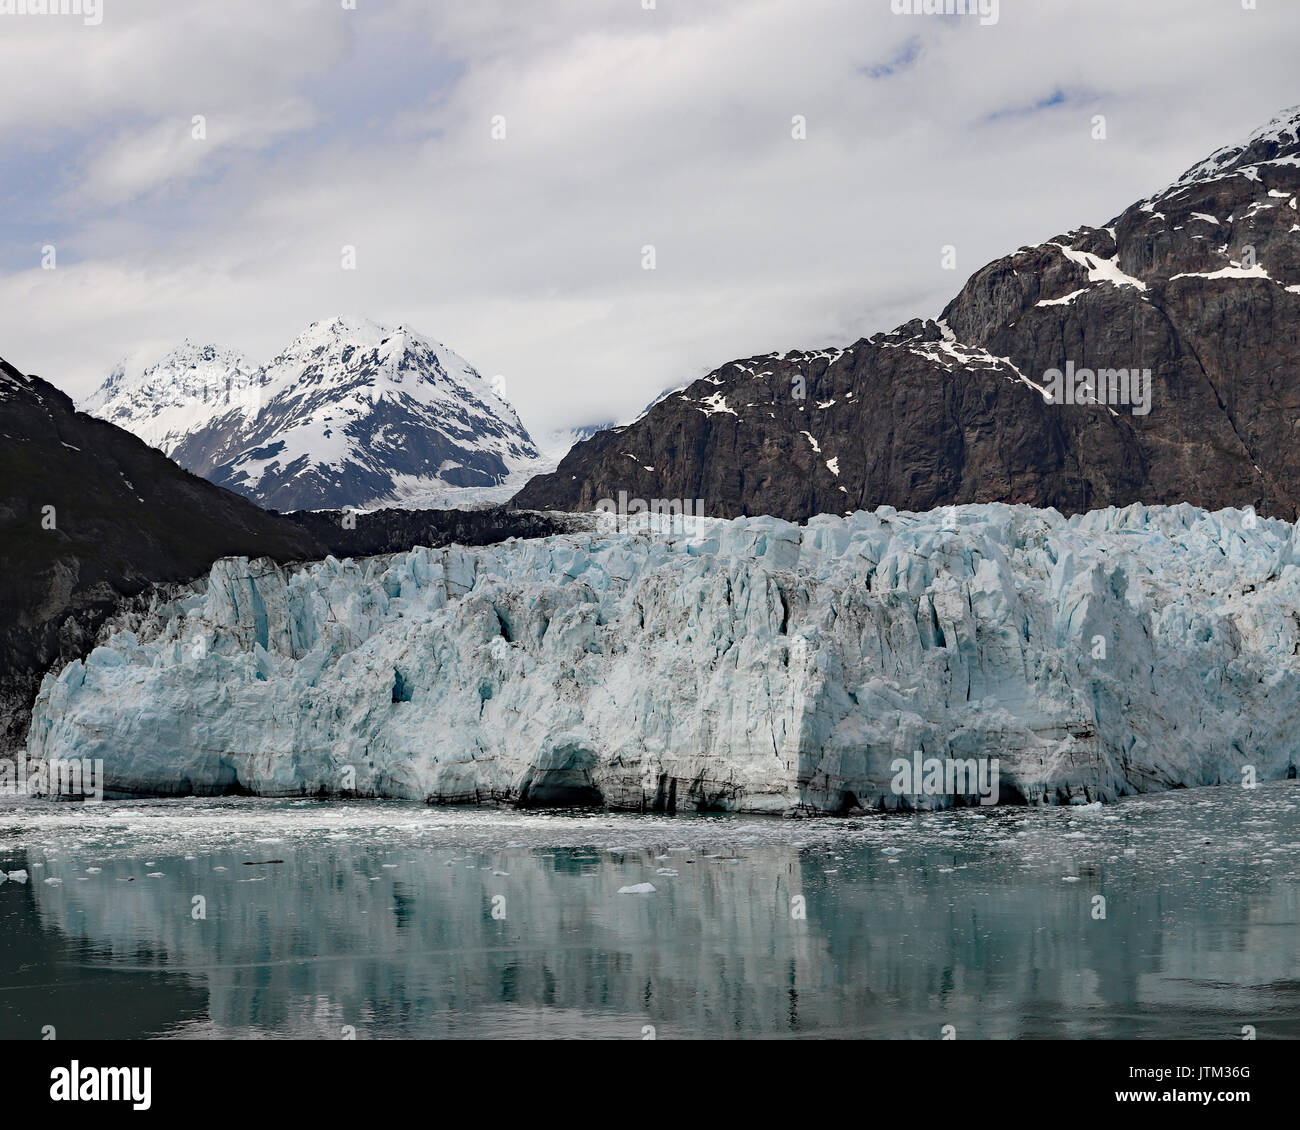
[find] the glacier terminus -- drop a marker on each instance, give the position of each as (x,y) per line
(749,665)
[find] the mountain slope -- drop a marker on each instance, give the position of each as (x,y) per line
(123,516)
(350,414)
(1200,284)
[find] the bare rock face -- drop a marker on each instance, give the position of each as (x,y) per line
(1199,286)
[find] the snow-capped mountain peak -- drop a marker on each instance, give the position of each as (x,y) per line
(350,413)
(356,353)
(1276,140)
(163,399)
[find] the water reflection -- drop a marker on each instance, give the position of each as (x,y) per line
(401,922)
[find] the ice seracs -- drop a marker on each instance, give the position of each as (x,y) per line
(750,664)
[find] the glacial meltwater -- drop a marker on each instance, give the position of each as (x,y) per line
(1174,915)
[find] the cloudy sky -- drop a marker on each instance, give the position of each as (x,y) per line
(623,127)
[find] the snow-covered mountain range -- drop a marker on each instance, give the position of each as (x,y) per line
(351,414)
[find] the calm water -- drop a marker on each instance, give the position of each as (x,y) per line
(403,921)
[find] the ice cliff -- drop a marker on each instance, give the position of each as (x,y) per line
(750,664)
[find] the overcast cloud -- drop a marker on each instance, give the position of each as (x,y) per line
(624,127)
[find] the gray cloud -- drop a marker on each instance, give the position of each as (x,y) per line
(624,127)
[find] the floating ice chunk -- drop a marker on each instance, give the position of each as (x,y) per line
(637,889)
(18,876)
(53,881)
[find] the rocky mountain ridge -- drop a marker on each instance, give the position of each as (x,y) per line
(1199,285)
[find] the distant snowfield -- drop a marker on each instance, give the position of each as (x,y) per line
(307,414)
(751,665)
(419,493)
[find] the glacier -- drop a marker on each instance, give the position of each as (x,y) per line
(749,664)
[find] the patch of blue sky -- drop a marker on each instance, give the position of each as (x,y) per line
(903,59)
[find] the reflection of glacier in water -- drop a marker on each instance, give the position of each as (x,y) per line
(403,921)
